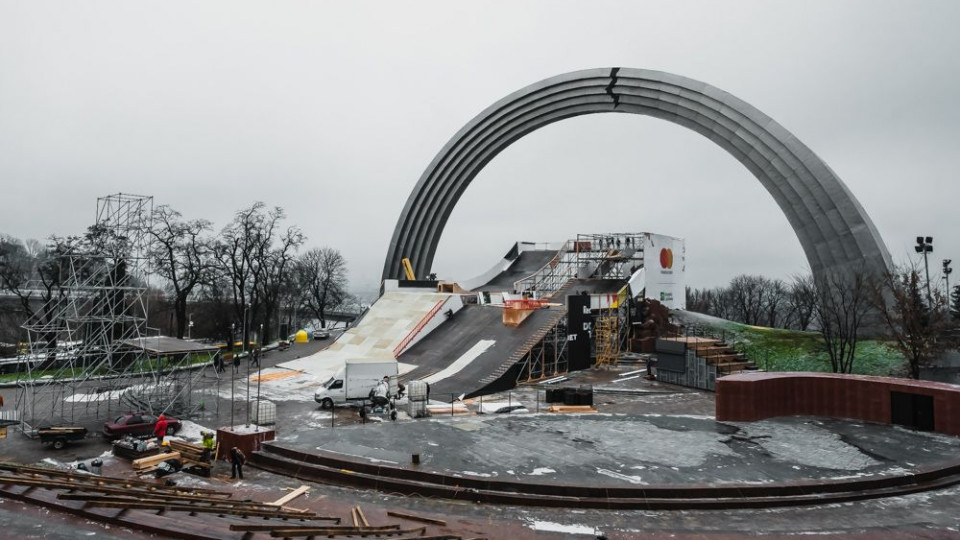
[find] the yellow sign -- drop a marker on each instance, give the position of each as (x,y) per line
(3,432)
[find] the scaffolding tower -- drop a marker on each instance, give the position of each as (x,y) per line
(85,357)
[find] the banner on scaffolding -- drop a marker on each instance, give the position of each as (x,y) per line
(665,265)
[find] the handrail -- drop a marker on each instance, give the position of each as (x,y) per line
(416,329)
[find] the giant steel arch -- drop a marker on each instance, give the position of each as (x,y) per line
(834,231)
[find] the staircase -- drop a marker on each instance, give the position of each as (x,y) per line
(718,353)
(524,349)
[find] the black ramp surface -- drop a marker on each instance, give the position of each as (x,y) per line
(456,336)
(527,263)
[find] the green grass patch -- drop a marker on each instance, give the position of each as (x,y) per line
(775,349)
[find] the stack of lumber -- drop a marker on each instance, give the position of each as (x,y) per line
(440,410)
(191,455)
(148,464)
(198,514)
(571,409)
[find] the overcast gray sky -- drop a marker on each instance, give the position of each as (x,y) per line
(332,110)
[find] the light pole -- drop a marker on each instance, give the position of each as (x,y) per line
(190,327)
(925,245)
(244,336)
(946,275)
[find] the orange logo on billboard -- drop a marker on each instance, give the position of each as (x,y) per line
(666,258)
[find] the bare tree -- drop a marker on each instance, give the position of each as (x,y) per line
(843,301)
(322,277)
(180,255)
(250,262)
(802,298)
(918,330)
(273,280)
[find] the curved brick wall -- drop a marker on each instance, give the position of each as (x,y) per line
(754,396)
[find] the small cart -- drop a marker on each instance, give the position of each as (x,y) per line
(59,436)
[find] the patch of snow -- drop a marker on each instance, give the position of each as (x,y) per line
(499,407)
(471,473)
(619,476)
(550,526)
(191,432)
(540,471)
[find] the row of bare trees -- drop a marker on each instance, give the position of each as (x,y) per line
(247,274)
(842,307)
(759,301)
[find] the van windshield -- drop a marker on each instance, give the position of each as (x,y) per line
(328,383)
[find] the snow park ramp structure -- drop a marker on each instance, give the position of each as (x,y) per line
(388,323)
(474,353)
(524,265)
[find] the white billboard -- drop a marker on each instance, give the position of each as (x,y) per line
(664,262)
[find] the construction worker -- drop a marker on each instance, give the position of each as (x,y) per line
(237,459)
(208,445)
(160,429)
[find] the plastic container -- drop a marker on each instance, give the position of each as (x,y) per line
(263,412)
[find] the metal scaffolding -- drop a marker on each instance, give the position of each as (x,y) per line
(85,357)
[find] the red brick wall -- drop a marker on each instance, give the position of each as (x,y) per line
(749,397)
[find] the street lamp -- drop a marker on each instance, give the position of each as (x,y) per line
(925,245)
(244,336)
(946,275)
(190,327)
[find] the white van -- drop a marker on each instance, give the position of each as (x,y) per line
(355,380)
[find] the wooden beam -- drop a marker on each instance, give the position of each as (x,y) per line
(26,469)
(413,517)
(289,496)
(363,518)
(143,463)
(359,531)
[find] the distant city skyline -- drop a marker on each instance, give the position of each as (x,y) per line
(332,111)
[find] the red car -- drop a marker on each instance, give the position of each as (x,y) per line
(139,425)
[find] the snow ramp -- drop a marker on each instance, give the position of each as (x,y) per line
(396,319)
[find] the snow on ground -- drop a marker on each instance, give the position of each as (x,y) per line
(301,385)
(104,396)
(807,444)
(540,471)
(550,526)
(191,432)
(496,407)
(72,465)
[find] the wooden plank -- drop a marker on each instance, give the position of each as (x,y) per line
(290,527)
(284,533)
(414,517)
(289,496)
(151,461)
(198,509)
(151,498)
(353,515)
(363,518)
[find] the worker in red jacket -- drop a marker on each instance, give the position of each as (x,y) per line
(160,430)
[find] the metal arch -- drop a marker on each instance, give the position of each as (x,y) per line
(834,231)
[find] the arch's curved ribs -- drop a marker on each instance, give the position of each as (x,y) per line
(834,231)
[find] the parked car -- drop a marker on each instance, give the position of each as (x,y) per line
(321,334)
(138,425)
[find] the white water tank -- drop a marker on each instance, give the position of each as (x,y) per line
(263,413)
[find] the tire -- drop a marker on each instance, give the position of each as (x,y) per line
(59,444)
(393,415)
(174,430)
(327,403)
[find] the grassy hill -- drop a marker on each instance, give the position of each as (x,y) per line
(775,349)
